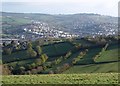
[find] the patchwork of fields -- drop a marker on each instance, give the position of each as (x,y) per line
(87,70)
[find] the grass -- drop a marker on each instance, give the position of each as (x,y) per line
(16,21)
(88,58)
(15,56)
(57,49)
(93,68)
(107,62)
(21,63)
(51,50)
(111,54)
(83,41)
(92,78)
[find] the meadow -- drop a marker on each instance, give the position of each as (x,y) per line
(92,78)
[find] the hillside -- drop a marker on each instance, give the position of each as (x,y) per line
(106,62)
(67,56)
(80,24)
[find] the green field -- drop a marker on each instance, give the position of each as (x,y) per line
(93,78)
(15,56)
(51,50)
(111,54)
(88,58)
(93,68)
(15,20)
(57,49)
(95,60)
(105,63)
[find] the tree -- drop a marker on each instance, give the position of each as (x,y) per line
(78,45)
(103,41)
(7,51)
(33,65)
(31,52)
(68,54)
(44,57)
(4,44)
(5,70)
(38,61)
(21,69)
(28,67)
(13,43)
(38,50)
(29,45)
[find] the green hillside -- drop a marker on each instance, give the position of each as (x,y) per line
(111,54)
(106,62)
(68,56)
(15,20)
(51,50)
(93,68)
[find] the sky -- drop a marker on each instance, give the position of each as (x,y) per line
(103,7)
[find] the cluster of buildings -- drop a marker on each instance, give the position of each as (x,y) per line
(44,30)
(96,29)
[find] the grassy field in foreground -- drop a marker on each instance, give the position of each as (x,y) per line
(92,78)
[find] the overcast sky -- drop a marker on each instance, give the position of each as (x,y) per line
(104,7)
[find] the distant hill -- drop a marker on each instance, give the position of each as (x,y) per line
(81,24)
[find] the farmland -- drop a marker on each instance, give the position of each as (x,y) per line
(90,58)
(94,68)
(59,49)
(76,61)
